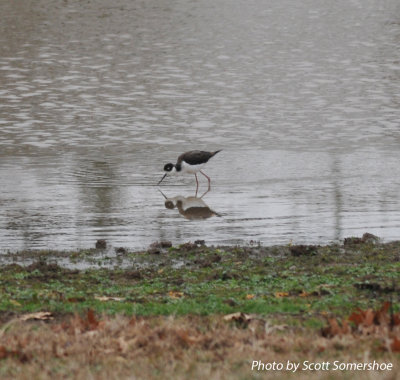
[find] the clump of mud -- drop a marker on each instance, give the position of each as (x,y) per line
(121,251)
(101,244)
(159,247)
(41,268)
(303,250)
(367,238)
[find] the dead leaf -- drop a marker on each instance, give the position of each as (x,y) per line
(106,298)
(40,315)
(304,294)
(15,303)
(249,296)
(334,328)
(6,353)
(396,319)
(76,299)
(357,317)
(369,317)
(281,294)
(175,295)
(3,352)
(184,338)
(123,345)
(381,316)
(238,317)
(345,327)
(91,319)
(367,322)
(269,328)
(395,346)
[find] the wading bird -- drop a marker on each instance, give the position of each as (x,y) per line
(190,162)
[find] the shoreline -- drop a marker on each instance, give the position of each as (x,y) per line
(193,311)
(335,278)
(163,253)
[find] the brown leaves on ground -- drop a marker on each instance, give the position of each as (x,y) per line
(78,324)
(381,323)
(281,294)
(107,298)
(40,315)
(175,294)
(335,328)
(242,319)
(253,322)
(101,347)
(15,354)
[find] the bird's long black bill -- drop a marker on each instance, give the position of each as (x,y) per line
(162,178)
(162,194)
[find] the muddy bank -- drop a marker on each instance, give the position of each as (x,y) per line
(195,254)
(206,305)
(304,282)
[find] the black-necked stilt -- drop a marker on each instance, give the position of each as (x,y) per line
(191,162)
(192,208)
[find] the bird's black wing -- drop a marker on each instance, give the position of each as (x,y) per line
(195,157)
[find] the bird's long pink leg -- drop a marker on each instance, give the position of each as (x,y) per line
(197,184)
(209,180)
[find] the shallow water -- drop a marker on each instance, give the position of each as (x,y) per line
(303,98)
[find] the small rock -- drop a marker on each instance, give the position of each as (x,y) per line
(366,238)
(369,238)
(293,267)
(121,250)
(101,244)
(200,242)
(352,240)
(165,244)
(155,244)
(161,244)
(188,246)
(154,250)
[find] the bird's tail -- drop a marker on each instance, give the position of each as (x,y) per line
(216,152)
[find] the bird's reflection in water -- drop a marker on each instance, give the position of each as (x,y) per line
(192,208)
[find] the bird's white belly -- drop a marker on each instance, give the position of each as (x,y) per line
(186,168)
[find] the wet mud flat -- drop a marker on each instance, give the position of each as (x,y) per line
(195,311)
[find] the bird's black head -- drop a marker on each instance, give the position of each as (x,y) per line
(168,167)
(169,204)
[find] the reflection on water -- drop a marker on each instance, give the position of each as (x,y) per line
(303,98)
(192,208)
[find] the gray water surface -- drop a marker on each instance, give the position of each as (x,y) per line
(96,96)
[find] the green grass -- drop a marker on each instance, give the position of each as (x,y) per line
(267,281)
